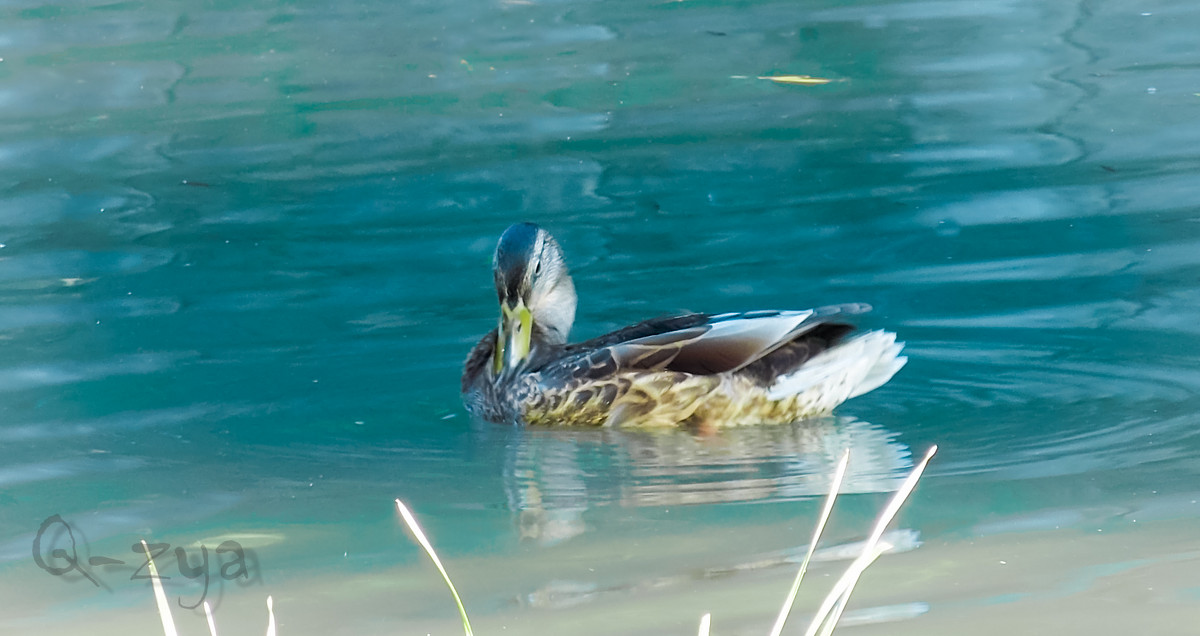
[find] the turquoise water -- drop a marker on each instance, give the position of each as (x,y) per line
(246,247)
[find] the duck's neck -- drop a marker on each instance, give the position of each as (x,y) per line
(554,313)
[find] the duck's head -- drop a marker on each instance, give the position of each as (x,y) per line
(537,297)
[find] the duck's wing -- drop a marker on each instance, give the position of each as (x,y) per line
(478,359)
(764,343)
(652,327)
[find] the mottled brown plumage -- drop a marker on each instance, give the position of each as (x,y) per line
(697,370)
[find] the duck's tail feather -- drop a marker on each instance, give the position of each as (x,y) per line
(856,366)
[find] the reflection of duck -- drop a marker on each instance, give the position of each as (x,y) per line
(554,476)
(700,370)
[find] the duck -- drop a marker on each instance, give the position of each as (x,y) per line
(699,371)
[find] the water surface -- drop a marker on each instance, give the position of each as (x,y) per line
(245,249)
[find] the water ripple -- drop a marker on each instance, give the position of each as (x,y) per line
(25,377)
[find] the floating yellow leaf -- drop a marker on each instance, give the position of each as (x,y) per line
(804,80)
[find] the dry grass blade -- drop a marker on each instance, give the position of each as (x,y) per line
(160,597)
(847,582)
(270,616)
(803,80)
(872,549)
(898,499)
(836,486)
(704,624)
(212,625)
(411,522)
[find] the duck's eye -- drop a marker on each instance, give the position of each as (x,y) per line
(537,269)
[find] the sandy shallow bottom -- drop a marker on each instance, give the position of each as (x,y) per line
(1132,568)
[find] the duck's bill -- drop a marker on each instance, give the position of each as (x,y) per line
(516,327)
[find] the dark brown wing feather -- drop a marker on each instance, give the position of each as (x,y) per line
(724,343)
(792,355)
(676,344)
(593,359)
(478,359)
(644,329)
